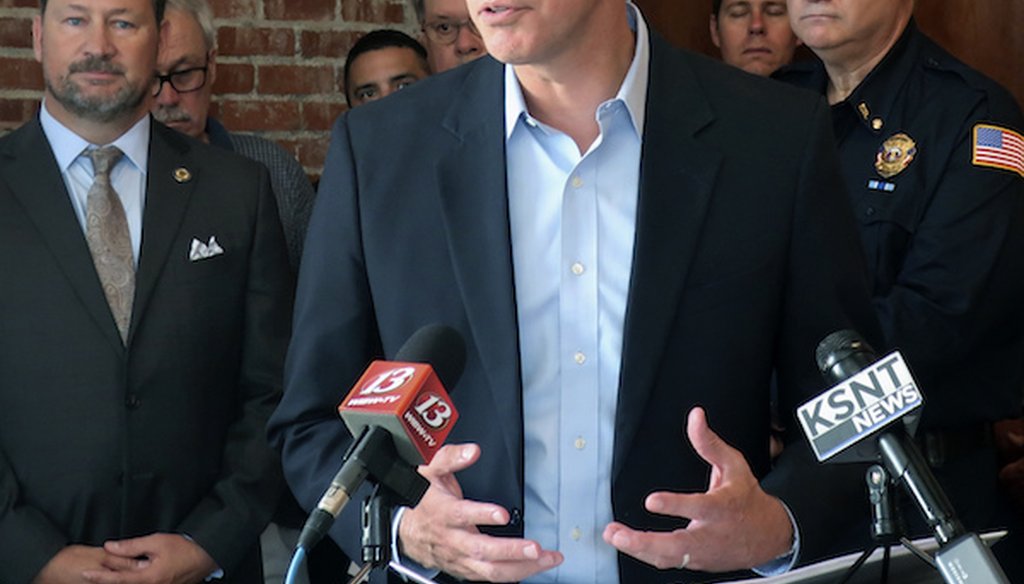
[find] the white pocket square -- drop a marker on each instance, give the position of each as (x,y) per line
(202,251)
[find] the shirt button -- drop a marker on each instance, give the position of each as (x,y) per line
(580,358)
(576,534)
(132,402)
(578,269)
(580,443)
(577,182)
(869,211)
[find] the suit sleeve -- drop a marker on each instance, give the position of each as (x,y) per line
(827,290)
(241,502)
(334,338)
(29,539)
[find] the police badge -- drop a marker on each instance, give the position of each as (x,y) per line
(895,154)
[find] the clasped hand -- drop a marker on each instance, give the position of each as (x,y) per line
(159,558)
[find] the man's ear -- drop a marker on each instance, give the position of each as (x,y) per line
(37,36)
(211,67)
(713,29)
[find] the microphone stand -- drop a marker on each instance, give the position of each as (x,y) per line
(378,509)
(962,556)
(376,522)
(886,525)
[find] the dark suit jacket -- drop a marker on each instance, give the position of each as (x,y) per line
(746,256)
(99,441)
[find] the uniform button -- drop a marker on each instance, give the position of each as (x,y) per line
(580,358)
(576,534)
(876,124)
(580,443)
(132,402)
(869,211)
(578,269)
(577,182)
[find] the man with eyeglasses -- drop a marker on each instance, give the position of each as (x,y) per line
(449,34)
(144,315)
(187,69)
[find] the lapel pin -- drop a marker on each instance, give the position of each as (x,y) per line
(182,175)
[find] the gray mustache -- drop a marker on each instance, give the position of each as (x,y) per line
(95,65)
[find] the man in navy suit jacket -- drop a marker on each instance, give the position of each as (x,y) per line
(736,256)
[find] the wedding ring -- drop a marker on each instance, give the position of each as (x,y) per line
(685,562)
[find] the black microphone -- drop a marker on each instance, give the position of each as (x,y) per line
(844,355)
(400,414)
(871,396)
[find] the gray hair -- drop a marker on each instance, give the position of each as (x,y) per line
(421,11)
(200,10)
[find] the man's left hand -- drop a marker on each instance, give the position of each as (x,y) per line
(733,525)
(160,558)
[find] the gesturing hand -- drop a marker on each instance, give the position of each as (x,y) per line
(441,532)
(733,525)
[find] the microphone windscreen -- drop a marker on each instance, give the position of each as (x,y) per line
(837,349)
(439,346)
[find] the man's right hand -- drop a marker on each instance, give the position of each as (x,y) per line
(441,532)
(70,563)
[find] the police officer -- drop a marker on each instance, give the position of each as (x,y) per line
(933,160)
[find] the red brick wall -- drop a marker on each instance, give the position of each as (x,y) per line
(279,70)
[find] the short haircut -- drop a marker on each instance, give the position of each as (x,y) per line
(158,8)
(201,11)
(716,6)
(421,10)
(382,39)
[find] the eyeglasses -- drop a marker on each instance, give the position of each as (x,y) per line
(446,31)
(184,81)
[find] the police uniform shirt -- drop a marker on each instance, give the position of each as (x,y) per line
(940,214)
(940,206)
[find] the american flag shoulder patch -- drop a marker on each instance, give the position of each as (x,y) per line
(998,147)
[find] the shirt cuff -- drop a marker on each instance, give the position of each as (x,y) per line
(406,563)
(217,574)
(786,561)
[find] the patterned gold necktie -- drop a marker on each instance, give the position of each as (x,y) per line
(107,235)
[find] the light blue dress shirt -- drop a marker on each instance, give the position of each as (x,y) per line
(573,222)
(128,177)
(573,225)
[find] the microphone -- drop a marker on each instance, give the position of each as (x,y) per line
(400,414)
(857,419)
(859,416)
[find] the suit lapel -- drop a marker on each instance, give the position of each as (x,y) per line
(677,175)
(35,180)
(169,185)
(474,204)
